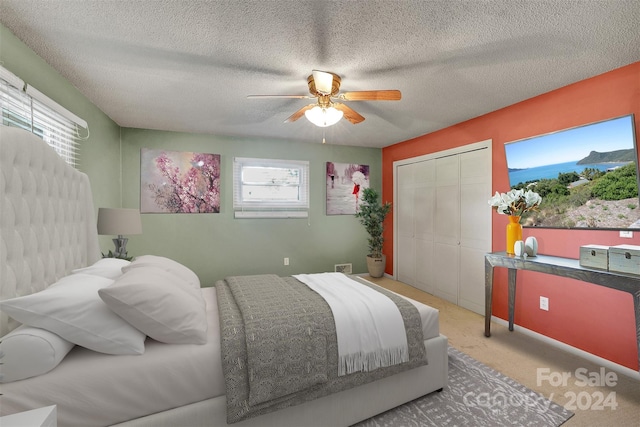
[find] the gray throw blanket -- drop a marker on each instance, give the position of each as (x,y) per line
(279,345)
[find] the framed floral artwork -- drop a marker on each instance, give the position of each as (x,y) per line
(179,182)
(345,182)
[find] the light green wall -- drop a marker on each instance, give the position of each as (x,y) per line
(213,245)
(217,245)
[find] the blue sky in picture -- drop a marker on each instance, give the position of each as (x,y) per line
(571,144)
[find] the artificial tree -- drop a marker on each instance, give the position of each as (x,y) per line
(372,214)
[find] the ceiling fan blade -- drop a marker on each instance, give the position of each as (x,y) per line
(372,95)
(323,81)
(278,96)
(295,116)
(349,113)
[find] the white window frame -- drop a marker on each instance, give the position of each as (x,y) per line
(298,208)
(23,106)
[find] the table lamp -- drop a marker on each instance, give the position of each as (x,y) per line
(119,221)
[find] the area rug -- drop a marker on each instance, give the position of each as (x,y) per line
(476,395)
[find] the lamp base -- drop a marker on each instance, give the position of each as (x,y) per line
(121,246)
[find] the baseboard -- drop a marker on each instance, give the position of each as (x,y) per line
(573,350)
(388,276)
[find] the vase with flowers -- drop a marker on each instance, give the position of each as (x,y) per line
(515,203)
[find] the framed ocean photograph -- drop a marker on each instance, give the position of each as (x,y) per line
(345,183)
(587,176)
(179,182)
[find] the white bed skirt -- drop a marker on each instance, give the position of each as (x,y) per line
(341,409)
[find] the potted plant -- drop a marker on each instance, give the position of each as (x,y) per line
(372,214)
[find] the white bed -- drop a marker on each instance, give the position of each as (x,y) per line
(47,229)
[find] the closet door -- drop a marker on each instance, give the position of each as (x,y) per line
(415,222)
(405,260)
(447,228)
(424,203)
(443,223)
(475,235)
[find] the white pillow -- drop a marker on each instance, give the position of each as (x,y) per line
(160,304)
(111,268)
(166,264)
(72,309)
(27,352)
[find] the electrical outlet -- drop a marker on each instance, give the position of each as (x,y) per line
(286,261)
(544,303)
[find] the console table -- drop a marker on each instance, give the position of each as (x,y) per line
(557,266)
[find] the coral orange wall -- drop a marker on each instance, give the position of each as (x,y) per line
(595,319)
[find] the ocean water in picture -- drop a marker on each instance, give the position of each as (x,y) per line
(552,171)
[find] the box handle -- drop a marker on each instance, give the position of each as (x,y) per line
(627,255)
(593,253)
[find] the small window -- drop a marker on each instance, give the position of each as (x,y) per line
(267,188)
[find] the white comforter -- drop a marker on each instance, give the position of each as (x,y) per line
(95,389)
(369,325)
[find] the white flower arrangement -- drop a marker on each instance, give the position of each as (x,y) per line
(515,202)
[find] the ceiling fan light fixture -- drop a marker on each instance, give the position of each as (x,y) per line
(323,117)
(323,81)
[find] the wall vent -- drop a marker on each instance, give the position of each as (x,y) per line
(344,268)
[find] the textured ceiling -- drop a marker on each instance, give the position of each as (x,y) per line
(189,65)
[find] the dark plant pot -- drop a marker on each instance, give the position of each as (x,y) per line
(376,265)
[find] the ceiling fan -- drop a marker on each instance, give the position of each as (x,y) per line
(325,87)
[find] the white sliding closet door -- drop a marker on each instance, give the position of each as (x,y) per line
(415,224)
(475,227)
(424,224)
(447,228)
(404,218)
(443,223)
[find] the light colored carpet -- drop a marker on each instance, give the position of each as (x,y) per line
(476,395)
(519,357)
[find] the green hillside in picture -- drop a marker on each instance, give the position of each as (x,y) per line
(592,198)
(617,156)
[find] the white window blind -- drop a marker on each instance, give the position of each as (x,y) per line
(267,188)
(27,108)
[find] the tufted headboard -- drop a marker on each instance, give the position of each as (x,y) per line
(47,218)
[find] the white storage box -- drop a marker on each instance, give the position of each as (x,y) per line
(624,259)
(594,256)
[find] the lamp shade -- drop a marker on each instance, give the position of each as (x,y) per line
(119,221)
(323,117)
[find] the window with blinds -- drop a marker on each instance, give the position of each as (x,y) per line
(267,188)
(27,108)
